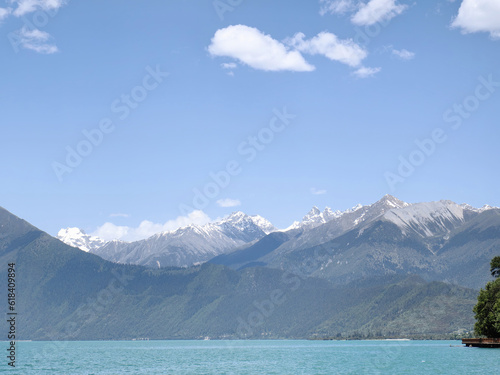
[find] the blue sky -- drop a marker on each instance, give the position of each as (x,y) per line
(127,117)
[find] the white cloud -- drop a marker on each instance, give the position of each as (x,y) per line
(318,191)
(110,231)
(403,54)
(119,215)
(4,13)
(260,51)
(479,16)
(327,44)
(256,49)
(337,6)
(29,6)
(229,65)
(33,39)
(365,72)
(228,202)
(36,40)
(377,11)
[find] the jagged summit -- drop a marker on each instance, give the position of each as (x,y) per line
(485,207)
(242,220)
(235,216)
(78,238)
(328,211)
(391,201)
(315,217)
(314,212)
(348,218)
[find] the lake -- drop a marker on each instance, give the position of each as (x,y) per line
(252,357)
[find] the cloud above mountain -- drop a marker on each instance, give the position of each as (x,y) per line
(109,231)
(228,202)
(316,191)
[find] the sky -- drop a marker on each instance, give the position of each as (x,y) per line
(126,118)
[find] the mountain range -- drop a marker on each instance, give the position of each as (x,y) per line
(63,293)
(190,245)
(195,244)
(429,239)
(437,240)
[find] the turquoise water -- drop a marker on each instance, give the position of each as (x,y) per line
(252,357)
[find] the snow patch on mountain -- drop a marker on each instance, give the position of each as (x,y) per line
(428,219)
(486,207)
(78,238)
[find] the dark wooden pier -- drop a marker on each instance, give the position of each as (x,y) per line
(482,343)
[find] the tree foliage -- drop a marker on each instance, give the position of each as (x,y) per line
(495,267)
(487,309)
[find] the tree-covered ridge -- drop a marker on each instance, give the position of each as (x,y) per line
(487,309)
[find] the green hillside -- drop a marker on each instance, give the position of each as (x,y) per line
(66,294)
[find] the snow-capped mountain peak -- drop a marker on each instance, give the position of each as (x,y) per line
(392,202)
(78,238)
(235,217)
(487,207)
(315,218)
(242,226)
(355,208)
(242,221)
(263,224)
(329,214)
(314,212)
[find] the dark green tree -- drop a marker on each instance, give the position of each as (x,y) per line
(487,309)
(495,267)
